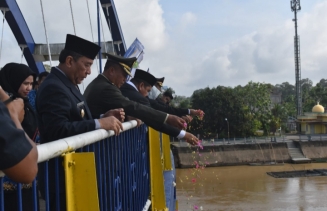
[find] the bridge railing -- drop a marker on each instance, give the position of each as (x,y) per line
(122,171)
(245,140)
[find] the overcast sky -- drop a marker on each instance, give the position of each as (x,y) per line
(196,44)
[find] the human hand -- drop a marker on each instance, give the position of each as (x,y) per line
(191,139)
(187,118)
(118,113)
(139,122)
(176,121)
(111,123)
(15,107)
(198,113)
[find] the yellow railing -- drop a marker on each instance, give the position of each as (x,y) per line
(158,198)
(166,153)
(160,161)
(81,182)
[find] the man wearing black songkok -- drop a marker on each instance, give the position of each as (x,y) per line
(62,109)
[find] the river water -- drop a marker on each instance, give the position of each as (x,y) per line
(250,188)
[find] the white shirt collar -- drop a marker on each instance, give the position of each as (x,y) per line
(60,71)
(133,85)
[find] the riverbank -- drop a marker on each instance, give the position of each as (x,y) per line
(213,155)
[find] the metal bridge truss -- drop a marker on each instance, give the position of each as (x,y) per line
(35,54)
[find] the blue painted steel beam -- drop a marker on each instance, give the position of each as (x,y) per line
(116,31)
(17,23)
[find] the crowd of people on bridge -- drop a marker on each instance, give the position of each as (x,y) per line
(57,109)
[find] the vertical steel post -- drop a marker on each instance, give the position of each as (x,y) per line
(99,35)
(35,195)
(19,197)
(2,204)
(295,6)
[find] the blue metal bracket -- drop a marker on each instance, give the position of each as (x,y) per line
(114,26)
(18,25)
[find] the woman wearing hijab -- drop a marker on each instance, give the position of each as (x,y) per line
(17,80)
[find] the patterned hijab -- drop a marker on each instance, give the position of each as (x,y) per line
(12,75)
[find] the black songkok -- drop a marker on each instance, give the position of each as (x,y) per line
(145,76)
(81,46)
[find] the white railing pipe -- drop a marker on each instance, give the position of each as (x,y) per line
(56,148)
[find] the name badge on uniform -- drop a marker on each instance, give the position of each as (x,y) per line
(80,105)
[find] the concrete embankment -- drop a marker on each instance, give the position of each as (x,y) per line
(315,150)
(223,155)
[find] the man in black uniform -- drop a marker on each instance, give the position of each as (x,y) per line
(18,154)
(166,98)
(61,107)
(138,87)
(137,90)
(62,110)
(156,103)
(108,83)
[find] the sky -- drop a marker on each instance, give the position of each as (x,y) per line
(196,44)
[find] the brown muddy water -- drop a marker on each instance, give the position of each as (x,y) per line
(250,188)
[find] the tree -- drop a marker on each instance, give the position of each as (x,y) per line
(218,103)
(287,90)
(307,100)
(279,117)
(318,93)
(181,102)
(246,108)
(186,103)
(255,98)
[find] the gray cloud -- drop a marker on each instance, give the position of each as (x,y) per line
(182,54)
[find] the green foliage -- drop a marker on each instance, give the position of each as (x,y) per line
(185,103)
(170,90)
(245,108)
(310,95)
(249,108)
(255,97)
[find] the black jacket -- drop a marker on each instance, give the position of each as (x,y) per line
(131,93)
(168,109)
(60,105)
(101,95)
